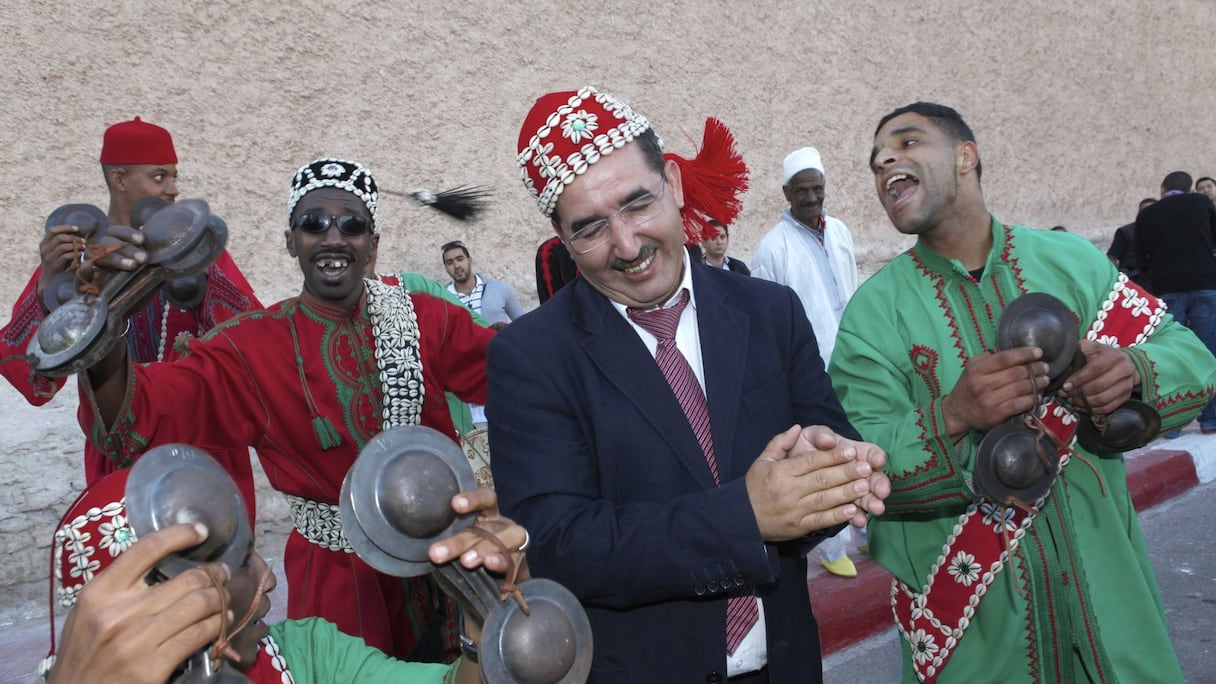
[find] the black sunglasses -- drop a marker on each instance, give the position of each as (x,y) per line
(348,224)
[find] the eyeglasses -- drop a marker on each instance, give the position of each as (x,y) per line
(636,213)
(348,224)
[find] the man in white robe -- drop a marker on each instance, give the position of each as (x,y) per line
(812,253)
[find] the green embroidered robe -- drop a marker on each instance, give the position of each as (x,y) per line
(1081,603)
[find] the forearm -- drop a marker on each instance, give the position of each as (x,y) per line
(928,457)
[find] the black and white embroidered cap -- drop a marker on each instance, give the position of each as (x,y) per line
(329,172)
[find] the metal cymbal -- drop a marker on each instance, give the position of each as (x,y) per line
(1008,465)
(91,222)
(1037,319)
(1128,427)
(178,483)
(145,209)
(396,498)
(551,645)
(172,233)
(67,334)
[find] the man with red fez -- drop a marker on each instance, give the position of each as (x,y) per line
(138,161)
(307,383)
(666,430)
(123,630)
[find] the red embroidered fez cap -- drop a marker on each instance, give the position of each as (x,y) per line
(137,142)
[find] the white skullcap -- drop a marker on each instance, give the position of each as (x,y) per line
(801,160)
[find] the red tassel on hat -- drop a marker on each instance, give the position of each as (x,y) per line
(713,182)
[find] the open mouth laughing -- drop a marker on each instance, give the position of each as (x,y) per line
(638,265)
(899,187)
(332,266)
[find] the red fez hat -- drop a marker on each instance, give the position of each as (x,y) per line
(566,132)
(137,142)
(90,536)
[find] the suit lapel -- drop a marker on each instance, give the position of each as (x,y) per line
(619,354)
(724,333)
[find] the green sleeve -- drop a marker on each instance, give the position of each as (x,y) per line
(927,471)
(416,282)
(316,652)
(1177,373)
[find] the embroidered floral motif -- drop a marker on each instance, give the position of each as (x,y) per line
(576,124)
(579,125)
(332,170)
(995,515)
(116,536)
(924,647)
(964,569)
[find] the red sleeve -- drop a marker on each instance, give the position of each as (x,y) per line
(456,346)
(15,339)
(208,397)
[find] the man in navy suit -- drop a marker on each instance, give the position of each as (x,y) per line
(674,492)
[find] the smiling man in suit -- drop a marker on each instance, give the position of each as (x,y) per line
(665,430)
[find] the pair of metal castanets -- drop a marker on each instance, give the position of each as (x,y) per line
(395,502)
(181,240)
(1017,461)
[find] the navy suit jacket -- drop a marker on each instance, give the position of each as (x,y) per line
(592,453)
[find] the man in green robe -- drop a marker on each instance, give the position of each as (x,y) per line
(916,370)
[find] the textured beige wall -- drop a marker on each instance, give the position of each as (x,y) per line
(1080,109)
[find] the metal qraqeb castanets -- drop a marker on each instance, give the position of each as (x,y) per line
(181,240)
(1017,461)
(396,502)
(174,484)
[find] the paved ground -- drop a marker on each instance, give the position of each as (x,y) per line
(1179,539)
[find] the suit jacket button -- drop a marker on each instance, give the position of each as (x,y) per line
(713,585)
(714,677)
(739,580)
(699,589)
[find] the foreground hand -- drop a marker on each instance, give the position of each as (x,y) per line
(124,630)
(994,387)
(1107,379)
(60,250)
(473,550)
(807,480)
(118,250)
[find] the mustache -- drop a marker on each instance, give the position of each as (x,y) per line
(643,254)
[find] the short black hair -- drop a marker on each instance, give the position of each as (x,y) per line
(652,152)
(1177,180)
(1147,201)
(725,228)
(447,246)
(107,168)
(1205,178)
(945,118)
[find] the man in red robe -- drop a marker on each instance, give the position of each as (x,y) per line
(307,383)
(138,161)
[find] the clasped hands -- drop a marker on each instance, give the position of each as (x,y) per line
(996,386)
(811,478)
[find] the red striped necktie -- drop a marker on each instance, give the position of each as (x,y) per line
(741,611)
